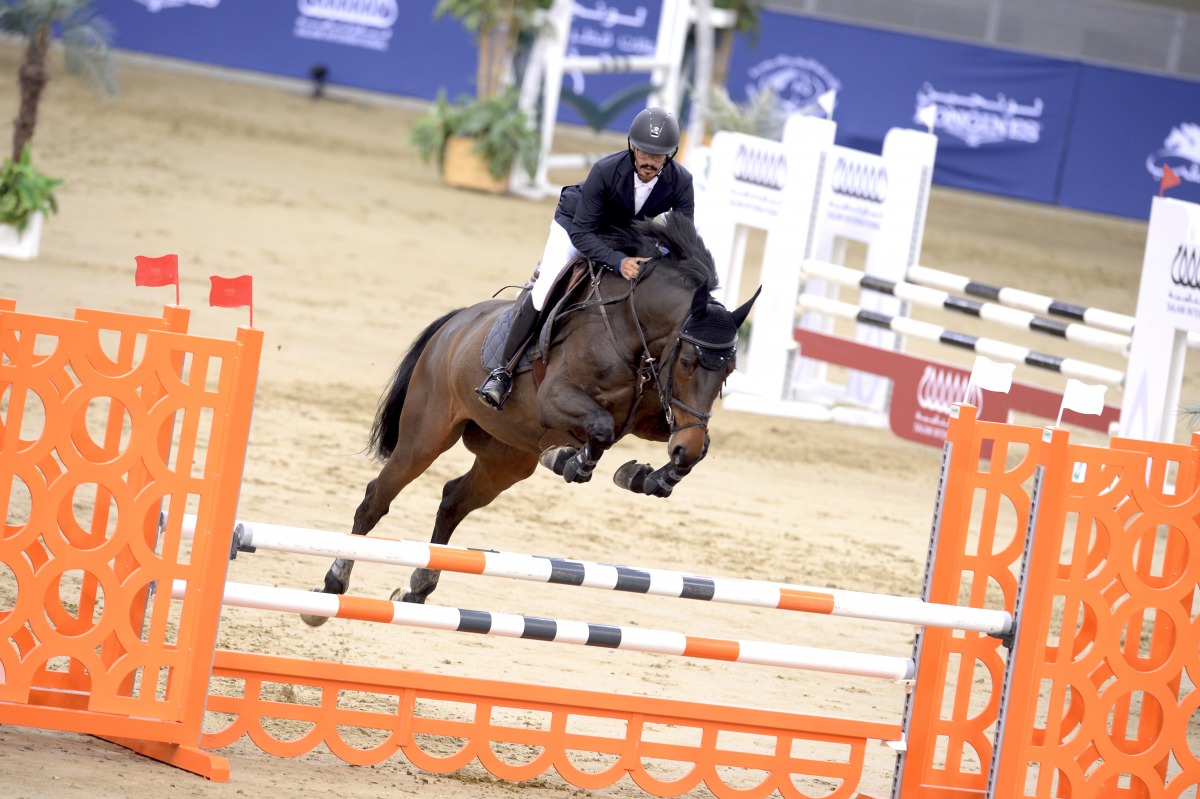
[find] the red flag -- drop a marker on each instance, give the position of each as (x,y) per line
(1169,180)
(232,292)
(161,271)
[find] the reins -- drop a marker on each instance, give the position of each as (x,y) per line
(647,369)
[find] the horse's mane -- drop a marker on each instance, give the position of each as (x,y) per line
(685,253)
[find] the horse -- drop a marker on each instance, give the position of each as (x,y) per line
(646,358)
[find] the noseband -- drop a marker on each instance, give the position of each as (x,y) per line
(712,357)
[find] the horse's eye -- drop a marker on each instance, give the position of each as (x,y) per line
(687,364)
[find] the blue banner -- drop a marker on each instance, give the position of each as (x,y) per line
(1127,125)
(1008,123)
(1002,117)
(610,28)
(379,45)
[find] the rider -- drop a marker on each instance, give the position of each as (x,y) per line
(639,182)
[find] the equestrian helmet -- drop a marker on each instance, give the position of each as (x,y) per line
(655,130)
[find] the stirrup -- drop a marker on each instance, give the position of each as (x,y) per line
(495,390)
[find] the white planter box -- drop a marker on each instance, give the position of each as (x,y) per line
(23,246)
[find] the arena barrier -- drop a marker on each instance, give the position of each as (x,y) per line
(811,197)
(1094,707)
(791,190)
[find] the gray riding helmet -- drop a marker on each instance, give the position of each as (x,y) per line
(655,130)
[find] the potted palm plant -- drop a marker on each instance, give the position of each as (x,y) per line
(477,141)
(27,195)
(26,198)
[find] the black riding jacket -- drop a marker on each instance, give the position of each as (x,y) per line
(604,202)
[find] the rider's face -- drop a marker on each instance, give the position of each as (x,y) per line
(648,164)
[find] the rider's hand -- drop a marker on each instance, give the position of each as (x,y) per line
(631,266)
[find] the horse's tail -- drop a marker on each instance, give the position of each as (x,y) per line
(385,432)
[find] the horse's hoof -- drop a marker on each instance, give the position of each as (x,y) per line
(656,489)
(572,472)
(400,595)
(632,476)
(311,620)
(556,459)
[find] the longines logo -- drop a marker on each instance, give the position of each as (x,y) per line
(1185,267)
(976,120)
(938,390)
(862,180)
(762,168)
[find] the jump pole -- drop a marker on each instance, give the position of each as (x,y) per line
(1028,301)
(999,313)
(1002,350)
(250,536)
(508,625)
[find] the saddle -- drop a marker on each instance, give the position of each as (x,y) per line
(568,289)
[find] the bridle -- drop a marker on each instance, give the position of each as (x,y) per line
(712,356)
(722,353)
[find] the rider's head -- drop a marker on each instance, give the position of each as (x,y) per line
(653,141)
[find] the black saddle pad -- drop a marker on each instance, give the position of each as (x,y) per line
(560,293)
(493,342)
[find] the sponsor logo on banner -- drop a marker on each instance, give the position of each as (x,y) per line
(937,391)
(760,174)
(366,24)
(796,82)
(760,168)
(978,121)
(856,193)
(1183,300)
(155,6)
(598,28)
(1185,267)
(1180,151)
(859,179)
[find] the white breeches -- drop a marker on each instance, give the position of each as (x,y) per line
(558,253)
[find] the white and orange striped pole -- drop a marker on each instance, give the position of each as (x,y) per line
(508,625)
(656,582)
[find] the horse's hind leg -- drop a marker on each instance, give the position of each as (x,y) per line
(497,468)
(366,516)
(405,465)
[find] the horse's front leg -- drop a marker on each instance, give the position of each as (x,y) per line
(571,410)
(642,478)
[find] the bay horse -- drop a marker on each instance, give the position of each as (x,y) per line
(646,357)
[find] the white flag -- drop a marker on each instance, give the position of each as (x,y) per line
(1082,398)
(988,374)
(826,103)
(927,116)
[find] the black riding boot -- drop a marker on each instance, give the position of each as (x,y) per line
(495,389)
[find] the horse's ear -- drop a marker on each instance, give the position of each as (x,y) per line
(743,311)
(699,303)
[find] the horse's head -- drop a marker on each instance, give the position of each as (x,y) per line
(704,356)
(697,353)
